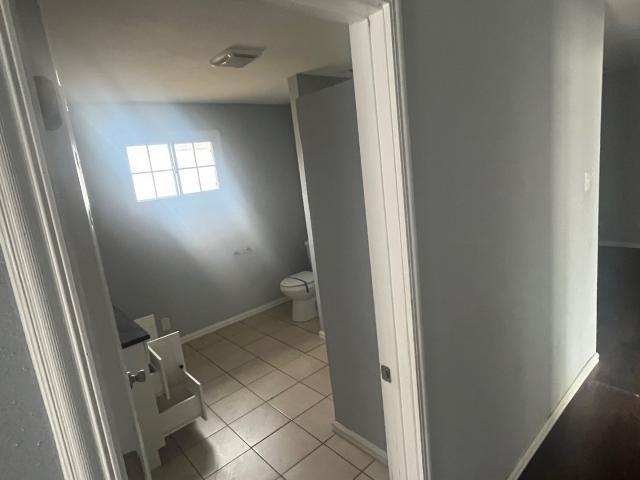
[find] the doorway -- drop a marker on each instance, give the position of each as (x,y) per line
(380,236)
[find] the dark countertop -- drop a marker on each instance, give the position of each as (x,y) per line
(130,332)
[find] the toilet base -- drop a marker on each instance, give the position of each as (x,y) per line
(304,310)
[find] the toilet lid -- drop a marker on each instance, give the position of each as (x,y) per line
(298,280)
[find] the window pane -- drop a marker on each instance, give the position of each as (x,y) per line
(138,158)
(184,155)
(208,178)
(160,158)
(165,183)
(143,185)
(204,153)
(189,180)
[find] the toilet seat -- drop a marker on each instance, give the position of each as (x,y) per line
(300,288)
(298,280)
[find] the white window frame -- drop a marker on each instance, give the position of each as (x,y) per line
(28,215)
(174,168)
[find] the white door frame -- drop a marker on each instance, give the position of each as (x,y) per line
(35,251)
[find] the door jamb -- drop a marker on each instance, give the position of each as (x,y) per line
(378,76)
(34,248)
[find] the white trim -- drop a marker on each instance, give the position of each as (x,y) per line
(231,320)
(360,442)
(553,418)
(374,49)
(607,243)
(322,335)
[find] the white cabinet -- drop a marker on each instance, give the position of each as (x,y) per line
(168,398)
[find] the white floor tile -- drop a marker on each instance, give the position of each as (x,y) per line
(216,451)
(318,420)
(236,405)
(265,345)
(363,476)
(203,369)
(320,353)
(280,357)
(377,471)
(198,430)
(219,388)
(226,355)
(302,367)
(295,400)
(271,384)
(251,371)
(320,381)
(234,360)
(349,452)
(176,468)
(169,451)
(205,341)
(286,447)
(248,466)
(322,464)
(259,424)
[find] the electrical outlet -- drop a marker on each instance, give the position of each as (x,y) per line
(166,324)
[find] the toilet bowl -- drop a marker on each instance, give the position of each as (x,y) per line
(300,288)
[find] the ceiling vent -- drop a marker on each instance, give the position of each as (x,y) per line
(236,57)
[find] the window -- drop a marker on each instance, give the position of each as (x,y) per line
(169,170)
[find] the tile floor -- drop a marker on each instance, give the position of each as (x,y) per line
(266,383)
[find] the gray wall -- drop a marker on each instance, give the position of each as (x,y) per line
(619,165)
(333,173)
(175,257)
(504,111)
(25,434)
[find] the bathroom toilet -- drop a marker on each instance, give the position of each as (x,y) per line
(301,289)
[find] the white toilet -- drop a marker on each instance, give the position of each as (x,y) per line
(301,288)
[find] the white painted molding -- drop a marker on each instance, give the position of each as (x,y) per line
(553,418)
(322,335)
(375,49)
(607,243)
(360,442)
(37,263)
(343,11)
(231,320)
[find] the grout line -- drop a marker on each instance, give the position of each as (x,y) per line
(275,368)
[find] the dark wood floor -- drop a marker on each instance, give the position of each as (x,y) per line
(598,435)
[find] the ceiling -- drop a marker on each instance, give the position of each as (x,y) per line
(159,50)
(622,38)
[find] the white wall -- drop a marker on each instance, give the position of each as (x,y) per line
(504,116)
(619,166)
(175,257)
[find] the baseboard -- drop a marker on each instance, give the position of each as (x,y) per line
(555,415)
(236,318)
(322,335)
(360,442)
(607,243)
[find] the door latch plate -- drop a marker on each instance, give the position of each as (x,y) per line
(385,372)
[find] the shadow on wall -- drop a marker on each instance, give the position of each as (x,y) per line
(175,257)
(504,125)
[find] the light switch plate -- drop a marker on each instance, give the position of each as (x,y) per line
(166,324)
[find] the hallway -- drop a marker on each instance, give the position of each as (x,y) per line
(598,435)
